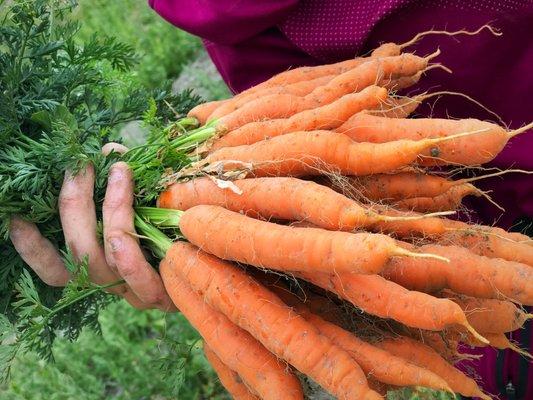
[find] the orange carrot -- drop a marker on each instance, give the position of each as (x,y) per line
(424,356)
(490,315)
(269,377)
(250,241)
(447,201)
(300,88)
(400,185)
(466,273)
(479,149)
(356,79)
(257,310)
(279,198)
(381,365)
(202,111)
(228,378)
(316,152)
(328,116)
(377,296)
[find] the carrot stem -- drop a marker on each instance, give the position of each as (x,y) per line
(158,242)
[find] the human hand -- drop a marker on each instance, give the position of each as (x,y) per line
(119,258)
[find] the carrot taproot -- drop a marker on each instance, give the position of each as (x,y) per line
(300,88)
(466,273)
(250,241)
(488,241)
(202,111)
(394,107)
(400,185)
(308,73)
(479,149)
(282,198)
(231,380)
(489,315)
(326,117)
(250,305)
(269,377)
(316,152)
(447,201)
(356,79)
(377,296)
(501,341)
(381,365)
(424,356)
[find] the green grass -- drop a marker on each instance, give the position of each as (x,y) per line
(126,362)
(164,49)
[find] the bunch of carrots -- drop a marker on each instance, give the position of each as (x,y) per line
(318,243)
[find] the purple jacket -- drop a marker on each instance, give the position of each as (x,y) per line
(249,41)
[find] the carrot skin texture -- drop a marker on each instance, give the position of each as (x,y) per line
(478,149)
(236,348)
(313,152)
(250,241)
(424,356)
(325,117)
(378,296)
(447,201)
(300,88)
(381,365)
(257,310)
(399,186)
(277,197)
(356,79)
(489,315)
(231,381)
(466,273)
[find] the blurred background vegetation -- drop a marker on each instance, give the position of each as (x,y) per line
(139,355)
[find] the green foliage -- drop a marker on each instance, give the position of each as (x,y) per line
(164,50)
(61,100)
(146,355)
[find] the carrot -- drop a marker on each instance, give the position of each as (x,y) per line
(502,342)
(466,273)
(310,73)
(424,356)
(377,296)
(300,88)
(447,201)
(269,377)
(356,79)
(328,116)
(312,153)
(202,111)
(257,310)
(279,198)
(488,241)
(250,241)
(490,315)
(479,149)
(381,365)
(403,82)
(231,381)
(400,185)
(394,107)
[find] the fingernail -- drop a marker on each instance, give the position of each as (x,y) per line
(115,244)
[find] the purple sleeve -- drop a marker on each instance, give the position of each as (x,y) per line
(225,22)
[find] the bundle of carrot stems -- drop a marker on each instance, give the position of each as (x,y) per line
(319,245)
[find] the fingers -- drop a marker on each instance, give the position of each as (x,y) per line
(140,275)
(78,218)
(122,249)
(38,252)
(113,147)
